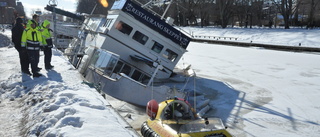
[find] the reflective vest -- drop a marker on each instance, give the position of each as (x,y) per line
(31,39)
(37,26)
(46,35)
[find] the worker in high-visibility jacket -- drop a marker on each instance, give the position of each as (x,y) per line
(36,18)
(47,44)
(32,41)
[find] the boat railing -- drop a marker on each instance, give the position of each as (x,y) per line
(146,6)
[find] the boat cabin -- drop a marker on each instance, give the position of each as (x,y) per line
(138,41)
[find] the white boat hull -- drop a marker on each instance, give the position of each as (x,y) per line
(126,89)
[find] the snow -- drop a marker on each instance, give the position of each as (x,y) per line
(278,36)
(261,92)
(256,92)
(55,105)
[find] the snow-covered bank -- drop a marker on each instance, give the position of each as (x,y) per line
(55,105)
(273,36)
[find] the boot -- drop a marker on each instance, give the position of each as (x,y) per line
(26,72)
(49,67)
(37,75)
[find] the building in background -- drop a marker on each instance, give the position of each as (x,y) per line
(20,10)
(9,10)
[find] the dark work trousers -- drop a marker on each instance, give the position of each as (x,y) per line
(34,60)
(47,56)
(24,60)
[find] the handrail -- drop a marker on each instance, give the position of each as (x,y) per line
(267,46)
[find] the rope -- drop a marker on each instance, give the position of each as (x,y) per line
(194,92)
(152,90)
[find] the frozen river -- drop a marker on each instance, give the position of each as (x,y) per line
(256,92)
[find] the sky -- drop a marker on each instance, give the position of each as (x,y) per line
(32,5)
(255,91)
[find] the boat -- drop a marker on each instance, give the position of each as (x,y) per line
(176,118)
(130,53)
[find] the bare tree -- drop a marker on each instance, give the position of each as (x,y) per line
(296,12)
(241,12)
(184,12)
(285,7)
(228,12)
(181,11)
(225,11)
(204,7)
(311,18)
(248,12)
(257,11)
(191,13)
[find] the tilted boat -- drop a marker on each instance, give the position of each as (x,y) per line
(125,52)
(176,118)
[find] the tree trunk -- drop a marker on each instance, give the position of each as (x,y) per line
(286,11)
(313,6)
(225,11)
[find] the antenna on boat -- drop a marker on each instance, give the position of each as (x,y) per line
(94,8)
(194,91)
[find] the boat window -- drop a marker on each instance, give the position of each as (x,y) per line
(93,24)
(102,61)
(169,54)
(126,69)
(124,28)
(100,27)
(157,47)
(141,38)
(95,58)
(118,67)
(112,63)
(136,75)
(145,78)
(108,22)
(105,62)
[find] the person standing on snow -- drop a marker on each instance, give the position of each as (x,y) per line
(32,40)
(17,31)
(36,18)
(47,44)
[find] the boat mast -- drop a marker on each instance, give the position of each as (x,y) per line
(164,2)
(166,9)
